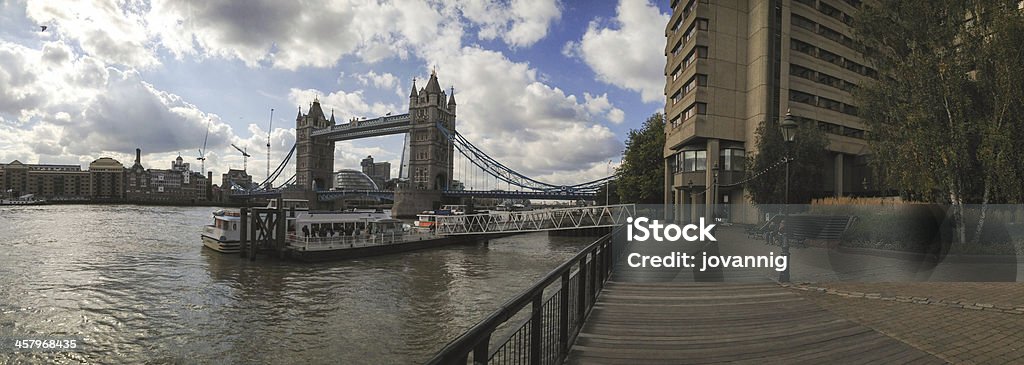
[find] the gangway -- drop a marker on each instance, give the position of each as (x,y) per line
(535,220)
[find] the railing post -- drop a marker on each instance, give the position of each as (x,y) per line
(563,318)
(480,352)
(582,290)
(536,324)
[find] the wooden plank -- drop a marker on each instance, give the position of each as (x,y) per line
(716,323)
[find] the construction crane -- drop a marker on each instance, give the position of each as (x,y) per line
(245,157)
(270,129)
(202,151)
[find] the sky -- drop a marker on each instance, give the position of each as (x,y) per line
(549,88)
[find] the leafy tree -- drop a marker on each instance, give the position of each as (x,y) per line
(946,117)
(767,173)
(641,176)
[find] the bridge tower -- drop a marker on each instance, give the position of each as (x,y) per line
(431,154)
(314,157)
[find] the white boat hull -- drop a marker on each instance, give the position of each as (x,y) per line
(221,246)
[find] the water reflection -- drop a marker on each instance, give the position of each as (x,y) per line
(136,284)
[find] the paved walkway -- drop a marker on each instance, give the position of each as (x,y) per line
(688,323)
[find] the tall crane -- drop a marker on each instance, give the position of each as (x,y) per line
(270,129)
(202,151)
(245,157)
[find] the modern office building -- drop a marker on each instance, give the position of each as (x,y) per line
(353,180)
(732,64)
(380,172)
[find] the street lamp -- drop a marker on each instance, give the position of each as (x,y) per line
(693,200)
(789,127)
(607,172)
(714,191)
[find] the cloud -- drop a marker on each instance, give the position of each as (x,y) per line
(628,53)
(380,81)
(521,23)
(345,105)
(536,129)
(102,29)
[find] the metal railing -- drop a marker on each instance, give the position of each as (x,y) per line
(550,322)
(301,243)
(535,220)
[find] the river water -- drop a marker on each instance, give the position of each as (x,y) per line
(136,285)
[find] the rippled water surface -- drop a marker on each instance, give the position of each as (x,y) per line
(135,283)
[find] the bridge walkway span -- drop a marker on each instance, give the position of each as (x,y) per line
(535,220)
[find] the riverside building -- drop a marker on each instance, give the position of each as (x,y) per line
(734,63)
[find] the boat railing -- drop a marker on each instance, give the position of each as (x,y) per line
(316,243)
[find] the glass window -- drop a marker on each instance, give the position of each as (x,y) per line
(701,163)
(801,97)
(732,159)
(801,47)
(702,24)
(804,23)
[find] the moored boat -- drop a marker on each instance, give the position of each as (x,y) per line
(223,234)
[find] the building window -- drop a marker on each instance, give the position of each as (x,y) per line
(830,11)
(677,97)
(697,52)
(676,121)
(694,161)
(829,80)
(677,24)
(830,57)
(830,104)
(800,71)
(694,110)
(849,109)
(801,97)
(733,159)
(678,47)
(804,23)
(696,80)
(702,24)
(677,72)
(802,47)
(810,3)
(830,34)
(853,66)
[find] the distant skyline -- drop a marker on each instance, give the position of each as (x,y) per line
(549,88)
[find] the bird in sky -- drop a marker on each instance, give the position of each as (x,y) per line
(42,28)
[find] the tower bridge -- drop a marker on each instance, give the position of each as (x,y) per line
(432,141)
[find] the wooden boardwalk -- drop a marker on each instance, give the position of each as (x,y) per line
(695,323)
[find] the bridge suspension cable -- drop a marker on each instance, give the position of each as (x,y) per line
(280,168)
(500,172)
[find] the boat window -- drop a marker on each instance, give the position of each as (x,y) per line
(234,226)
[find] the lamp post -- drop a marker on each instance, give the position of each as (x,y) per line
(607,172)
(693,200)
(789,127)
(714,191)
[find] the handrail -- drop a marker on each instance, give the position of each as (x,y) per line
(595,263)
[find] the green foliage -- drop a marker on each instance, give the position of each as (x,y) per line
(805,169)
(641,177)
(947,117)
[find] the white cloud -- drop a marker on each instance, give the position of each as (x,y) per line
(380,81)
(521,23)
(345,105)
(103,28)
(534,128)
(627,54)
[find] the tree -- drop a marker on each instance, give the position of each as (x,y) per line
(946,117)
(766,171)
(641,176)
